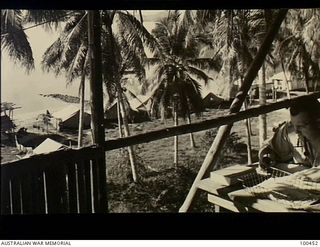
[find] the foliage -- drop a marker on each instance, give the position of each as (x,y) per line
(14,40)
(13,36)
(178,71)
(233,151)
(164,190)
(298,45)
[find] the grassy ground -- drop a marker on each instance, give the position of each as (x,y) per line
(162,187)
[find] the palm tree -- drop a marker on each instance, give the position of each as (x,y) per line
(228,33)
(177,70)
(298,46)
(235,36)
(121,52)
(45,118)
(124,38)
(69,55)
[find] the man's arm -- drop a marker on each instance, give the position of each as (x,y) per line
(277,148)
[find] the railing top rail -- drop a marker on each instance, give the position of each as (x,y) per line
(68,155)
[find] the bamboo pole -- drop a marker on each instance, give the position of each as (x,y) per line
(262,101)
(96,94)
(248,130)
(224,131)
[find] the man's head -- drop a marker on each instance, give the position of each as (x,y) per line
(305,117)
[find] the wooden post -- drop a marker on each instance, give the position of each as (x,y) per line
(248,130)
(262,101)
(97,116)
(175,144)
(224,131)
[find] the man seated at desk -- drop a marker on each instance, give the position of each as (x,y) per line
(297,140)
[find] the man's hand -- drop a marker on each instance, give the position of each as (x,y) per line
(266,158)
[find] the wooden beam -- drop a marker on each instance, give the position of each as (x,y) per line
(203,125)
(224,131)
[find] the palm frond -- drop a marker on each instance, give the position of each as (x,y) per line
(199,74)
(50,18)
(14,40)
(205,63)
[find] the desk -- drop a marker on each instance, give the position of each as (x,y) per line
(235,198)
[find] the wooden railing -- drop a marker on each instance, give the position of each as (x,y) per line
(65,181)
(72,181)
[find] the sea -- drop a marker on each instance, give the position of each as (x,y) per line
(24,88)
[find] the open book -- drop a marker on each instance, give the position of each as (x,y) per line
(231,174)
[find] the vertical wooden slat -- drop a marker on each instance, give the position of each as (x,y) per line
(16,200)
(82,188)
(72,188)
(5,194)
(87,176)
(26,188)
(50,183)
(103,200)
(56,188)
(64,189)
(95,182)
(45,192)
(37,192)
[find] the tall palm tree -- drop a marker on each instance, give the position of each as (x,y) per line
(178,70)
(68,55)
(124,38)
(235,36)
(121,52)
(228,34)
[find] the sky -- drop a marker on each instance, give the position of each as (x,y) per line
(24,89)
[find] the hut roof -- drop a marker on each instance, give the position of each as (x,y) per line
(138,102)
(67,112)
(47,146)
(280,76)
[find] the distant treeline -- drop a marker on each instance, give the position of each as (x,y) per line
(63,97)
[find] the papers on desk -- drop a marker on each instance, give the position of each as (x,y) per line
(300,190)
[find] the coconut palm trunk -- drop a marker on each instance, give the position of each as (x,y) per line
(262,101)
(192,143)
(119,118)
(285,79)
(175,144)
(81,113)
(127,132)
(306,76)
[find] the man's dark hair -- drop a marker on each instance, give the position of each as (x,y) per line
(309,105)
